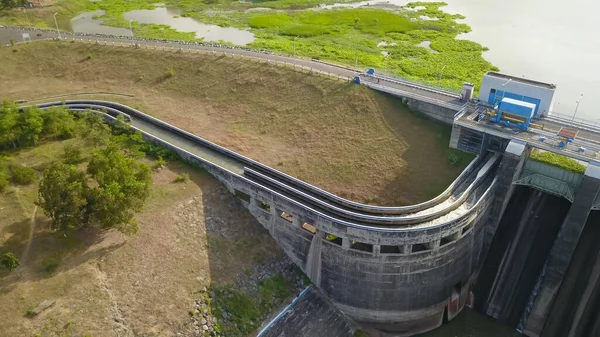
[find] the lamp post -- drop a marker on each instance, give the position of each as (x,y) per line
(385,65)
(576,107)
(131,28)
(295,50)
(504,88)
(442,72)
(56,22)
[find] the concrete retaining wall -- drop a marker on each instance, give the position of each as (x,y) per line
(404,291)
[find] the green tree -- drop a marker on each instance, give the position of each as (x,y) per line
(114,187)
(59,123)
(9,120)
(63,195)
(10,261)
(31,124)
(122,187)
(94,130)
(72,155)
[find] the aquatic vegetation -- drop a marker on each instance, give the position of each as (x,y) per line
(417,41)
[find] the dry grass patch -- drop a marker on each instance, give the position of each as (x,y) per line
(339,136)
(192,234)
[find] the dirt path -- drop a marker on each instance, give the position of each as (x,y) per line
(31,230)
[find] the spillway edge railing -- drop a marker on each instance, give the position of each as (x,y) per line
(232,174)
(252,163)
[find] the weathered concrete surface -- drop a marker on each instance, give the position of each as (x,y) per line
(508,172)
(434,111)
(562,252)
(311,315)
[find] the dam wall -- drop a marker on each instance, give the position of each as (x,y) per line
(536,276)
(397,279)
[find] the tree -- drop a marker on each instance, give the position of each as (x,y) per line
(9,120)
(114,187)
(63,195)
(58,122)
(94,131)
(31,124)
(122,187)
(10,261)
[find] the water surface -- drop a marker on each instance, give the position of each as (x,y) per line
(85,23)
(171,17)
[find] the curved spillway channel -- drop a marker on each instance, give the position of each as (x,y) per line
(456,196)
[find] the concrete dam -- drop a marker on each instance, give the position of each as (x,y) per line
(511,236)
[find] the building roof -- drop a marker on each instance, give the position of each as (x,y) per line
(522,80)
(517,102)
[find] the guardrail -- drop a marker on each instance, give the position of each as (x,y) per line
(407,94)
(417,84)
(234,178)
(593,126)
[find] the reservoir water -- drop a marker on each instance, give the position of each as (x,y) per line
(546,40)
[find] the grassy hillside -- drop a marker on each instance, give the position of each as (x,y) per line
(389,38)
(340,136)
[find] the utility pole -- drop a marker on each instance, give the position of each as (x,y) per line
(356,65)
(504,88)
(56,22)
(130,28)
(441,72)
(576,107)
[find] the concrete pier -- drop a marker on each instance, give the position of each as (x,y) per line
(562,251)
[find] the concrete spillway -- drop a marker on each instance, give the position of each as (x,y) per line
(576,311)
(517,254)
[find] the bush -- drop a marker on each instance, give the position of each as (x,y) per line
(170,72)
(50,265)
(89,55)
(453,158)
(558,160)
(72,155)
(9,261)
(182,178)
(23,175)
(160,162)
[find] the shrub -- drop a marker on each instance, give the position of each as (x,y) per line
(23,175)
(72,155)
(170,72)
(89,55)
(181,178)
(9,261)
(453,158)
(50,265)
(558,160)
(160,162)
(12,42)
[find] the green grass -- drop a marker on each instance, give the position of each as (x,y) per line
(558,160)
(247,311)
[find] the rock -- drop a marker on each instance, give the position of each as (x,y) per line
(203,321)
(205,327)
(42,306)
(203,289)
